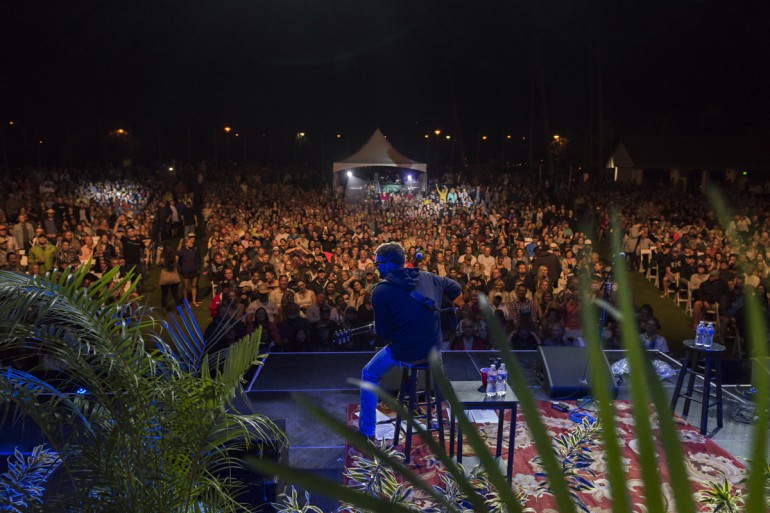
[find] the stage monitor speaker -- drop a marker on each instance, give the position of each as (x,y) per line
(564,372)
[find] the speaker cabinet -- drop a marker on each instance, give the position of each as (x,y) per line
(564,372)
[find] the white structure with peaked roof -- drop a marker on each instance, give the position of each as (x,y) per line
(379,152)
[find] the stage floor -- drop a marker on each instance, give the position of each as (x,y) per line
(325,379)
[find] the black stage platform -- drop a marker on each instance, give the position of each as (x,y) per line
(306,372)
(324,378)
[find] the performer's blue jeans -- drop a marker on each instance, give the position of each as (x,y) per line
(373,372)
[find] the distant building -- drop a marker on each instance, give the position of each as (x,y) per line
(692,162)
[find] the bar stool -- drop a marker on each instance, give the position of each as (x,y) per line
(712,372)
(408,397)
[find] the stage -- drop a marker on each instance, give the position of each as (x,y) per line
(325,379)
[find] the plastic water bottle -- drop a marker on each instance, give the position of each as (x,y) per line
(700,334)
(492,382)
(709,339)
(502,381)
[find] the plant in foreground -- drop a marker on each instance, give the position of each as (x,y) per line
(23,485)
(136,430)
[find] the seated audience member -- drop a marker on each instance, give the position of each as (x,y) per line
(313,312)
(235,331)
(304,297)
(556,336)
(467,340)
(613,337)
(544,305)
(270,334)
(259,299)
(712,292)
(294,330)
(525,336)
(651,339)
(521,305)
(569,308)
(359,342)
(642,314)
(322,331)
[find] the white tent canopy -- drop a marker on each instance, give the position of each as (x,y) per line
(379,152)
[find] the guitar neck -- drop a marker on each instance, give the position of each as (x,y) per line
(344,336)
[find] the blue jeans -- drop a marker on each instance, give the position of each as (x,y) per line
(372,373)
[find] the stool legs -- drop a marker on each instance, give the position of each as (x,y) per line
(407,397)
(410,425)
(704,416)
(712,372)
(401,396)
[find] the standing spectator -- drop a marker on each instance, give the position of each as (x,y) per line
(24,233)
(189,218)
(134,249)
(548,259)
(169,275)
(43,254)
(189,264)
(51,226)
(7,245)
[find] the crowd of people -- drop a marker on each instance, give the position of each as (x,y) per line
(299,262)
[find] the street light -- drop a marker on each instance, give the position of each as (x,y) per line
(437,132)
(227,129)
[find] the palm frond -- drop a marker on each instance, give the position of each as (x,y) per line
(24,482)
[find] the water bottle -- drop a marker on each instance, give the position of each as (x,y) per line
(700,334)
(709,339)
(502,381)
(492,382)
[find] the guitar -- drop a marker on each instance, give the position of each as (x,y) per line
(450,316)
(343,336)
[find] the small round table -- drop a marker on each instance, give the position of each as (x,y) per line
(712,372)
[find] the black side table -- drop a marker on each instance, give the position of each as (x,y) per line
(712,372)
(471,399)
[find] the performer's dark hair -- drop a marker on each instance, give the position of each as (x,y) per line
(392,252)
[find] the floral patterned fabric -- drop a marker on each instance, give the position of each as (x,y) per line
(705,460)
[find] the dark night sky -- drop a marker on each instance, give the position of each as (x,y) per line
(684,67)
